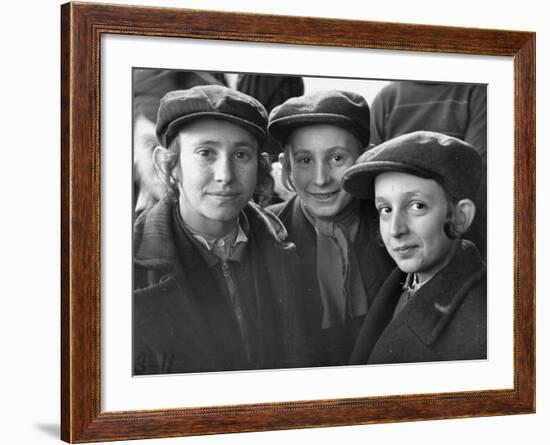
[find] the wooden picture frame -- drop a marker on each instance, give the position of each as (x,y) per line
(82,26)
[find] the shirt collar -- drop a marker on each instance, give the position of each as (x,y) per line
(208,247)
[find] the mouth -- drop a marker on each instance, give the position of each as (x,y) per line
(224,195)
(405,250)
(324,196)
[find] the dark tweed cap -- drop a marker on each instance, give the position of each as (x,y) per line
(178,108)
(453,163)
(341,108)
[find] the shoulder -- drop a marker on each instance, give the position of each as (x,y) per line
(264,223)
(154,251)
(283,210)
(386,93)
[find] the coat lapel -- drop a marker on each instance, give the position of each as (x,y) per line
(378,317)
(412,334)
(431,309)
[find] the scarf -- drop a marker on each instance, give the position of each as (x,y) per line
(338,275)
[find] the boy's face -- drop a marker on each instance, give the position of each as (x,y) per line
(319,156)
(216,172)
(413,212)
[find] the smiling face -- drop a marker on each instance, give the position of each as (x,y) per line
(413,212)
(216,174)
(319,156)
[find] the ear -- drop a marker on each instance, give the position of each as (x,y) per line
(464,215)
(159,154)
(164,161)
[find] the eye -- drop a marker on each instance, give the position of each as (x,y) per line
(243,155)
(303,160)
(384,210)
(338,159)
(204,152)
(417,206)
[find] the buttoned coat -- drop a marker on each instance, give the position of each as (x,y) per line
(446,319)
(183,322)
(333,346)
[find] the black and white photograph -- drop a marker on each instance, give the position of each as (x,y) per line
(297,222)
(293,221)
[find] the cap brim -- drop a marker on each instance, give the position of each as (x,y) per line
(177,124)
(359,179)
(281,128)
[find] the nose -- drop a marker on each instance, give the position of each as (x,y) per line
(223,170)
(321,176)
(398,225)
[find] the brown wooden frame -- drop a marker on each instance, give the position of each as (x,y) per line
(82,25)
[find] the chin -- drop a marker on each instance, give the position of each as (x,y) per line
(324,211)
(406,266)
(223,216)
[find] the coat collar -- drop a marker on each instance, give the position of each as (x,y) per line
(430,310)
(154,245)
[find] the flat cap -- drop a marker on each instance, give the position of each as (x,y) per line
(453,163)
(178,108)
(341,108)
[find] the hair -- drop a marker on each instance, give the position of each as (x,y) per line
(169,160)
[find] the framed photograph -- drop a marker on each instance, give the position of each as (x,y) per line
(151,351)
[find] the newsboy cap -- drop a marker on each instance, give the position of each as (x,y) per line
(341,108)
(178,108)
(453,163)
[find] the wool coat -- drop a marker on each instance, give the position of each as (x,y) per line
(332,346)
(446,319)
(184,321)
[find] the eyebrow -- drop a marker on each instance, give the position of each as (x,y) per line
(218,143)
(207,142)
(414,193)
(296,151)
(407,195)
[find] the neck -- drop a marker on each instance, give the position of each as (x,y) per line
(208,228)
(345,216)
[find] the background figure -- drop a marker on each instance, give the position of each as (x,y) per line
(458,110)
(271,91)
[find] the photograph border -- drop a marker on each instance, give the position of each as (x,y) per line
(82,26)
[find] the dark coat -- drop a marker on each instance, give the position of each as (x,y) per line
(184,322)
(446,319)
(333,346)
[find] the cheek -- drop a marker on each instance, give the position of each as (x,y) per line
(384,231)
(250,175)
(300,177)
(433,235)
(247,174)
(337,173)
(192,176)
